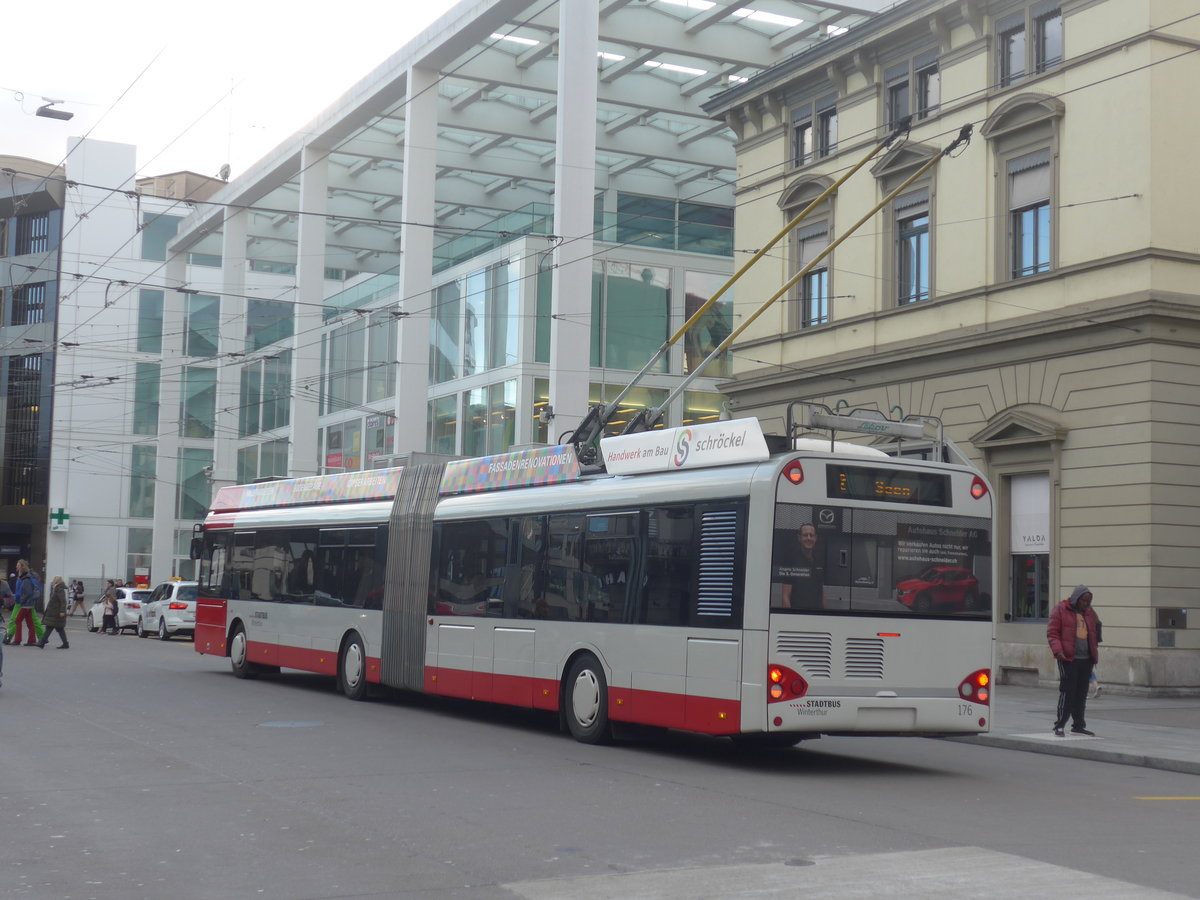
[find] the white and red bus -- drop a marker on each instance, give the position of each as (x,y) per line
(701,583)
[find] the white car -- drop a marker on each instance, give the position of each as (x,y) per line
(129,608)
(170,610)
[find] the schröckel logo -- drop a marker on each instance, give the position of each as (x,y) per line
(682,447)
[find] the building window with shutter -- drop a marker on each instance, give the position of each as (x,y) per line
(813,298)
(912,247)
(1029,184)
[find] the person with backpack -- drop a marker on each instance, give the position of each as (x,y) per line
(28,591)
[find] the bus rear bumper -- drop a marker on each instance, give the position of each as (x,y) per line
(877,715)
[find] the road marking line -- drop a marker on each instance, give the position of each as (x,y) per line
(1166,798)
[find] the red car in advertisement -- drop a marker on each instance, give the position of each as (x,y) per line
(940,588)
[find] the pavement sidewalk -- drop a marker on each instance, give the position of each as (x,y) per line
(1132,730)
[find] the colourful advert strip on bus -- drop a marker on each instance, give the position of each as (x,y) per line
(519,468)
(688,447)
(372,484)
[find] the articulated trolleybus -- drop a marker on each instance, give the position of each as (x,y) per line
(701,582)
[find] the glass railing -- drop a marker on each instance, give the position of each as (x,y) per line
(535,218)
(364,294)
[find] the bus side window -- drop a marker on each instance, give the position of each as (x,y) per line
(333,575)
(366,568)
(563,595)
(525,577)
(215,574)
(608,569)
(241,565)
(669,565)
(469,568)
(302,568)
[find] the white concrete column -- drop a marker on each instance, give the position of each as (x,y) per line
(232,339)
(170,392)
(310,294)
(416,259)
(574,189)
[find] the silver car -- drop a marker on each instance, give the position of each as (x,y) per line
(129,608)
(170,610)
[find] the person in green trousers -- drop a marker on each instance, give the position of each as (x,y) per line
(28,592)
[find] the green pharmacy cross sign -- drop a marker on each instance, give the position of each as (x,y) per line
(60,520)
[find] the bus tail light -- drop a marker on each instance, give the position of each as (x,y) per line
(794,472)
(977,687)
(784,684)
(979,488)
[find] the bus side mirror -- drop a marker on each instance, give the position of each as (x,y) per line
(197,549)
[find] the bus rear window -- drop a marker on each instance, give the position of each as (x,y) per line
(891,485)
(880,562)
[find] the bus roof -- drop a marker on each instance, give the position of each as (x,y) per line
(708,445)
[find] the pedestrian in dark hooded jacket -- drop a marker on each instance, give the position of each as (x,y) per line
(55,618)
(1072,633)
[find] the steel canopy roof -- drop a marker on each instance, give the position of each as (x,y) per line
(497,87)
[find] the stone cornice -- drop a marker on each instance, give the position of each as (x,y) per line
(1131,320)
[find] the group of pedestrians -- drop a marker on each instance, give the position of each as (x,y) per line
(31,612)
(36,616)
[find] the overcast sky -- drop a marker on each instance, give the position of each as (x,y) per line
(192,86)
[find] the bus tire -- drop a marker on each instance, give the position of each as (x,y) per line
(585,701)
(352,667)
(239,654)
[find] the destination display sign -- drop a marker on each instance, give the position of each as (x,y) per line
(686,447)
(518,468)
(371,484)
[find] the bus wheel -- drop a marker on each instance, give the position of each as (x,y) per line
(352,667)
(239,651)
(586,699)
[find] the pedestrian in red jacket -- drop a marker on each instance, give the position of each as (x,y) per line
(1072,636)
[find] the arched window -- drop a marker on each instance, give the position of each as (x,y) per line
(809,302)
(1023,134)
(908,228)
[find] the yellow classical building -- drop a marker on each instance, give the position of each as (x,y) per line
(1037,288)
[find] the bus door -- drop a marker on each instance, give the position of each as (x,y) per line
(262,628)
(347,575)
(517,596)
(468,585)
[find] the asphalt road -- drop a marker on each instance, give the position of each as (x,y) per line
(139,769)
